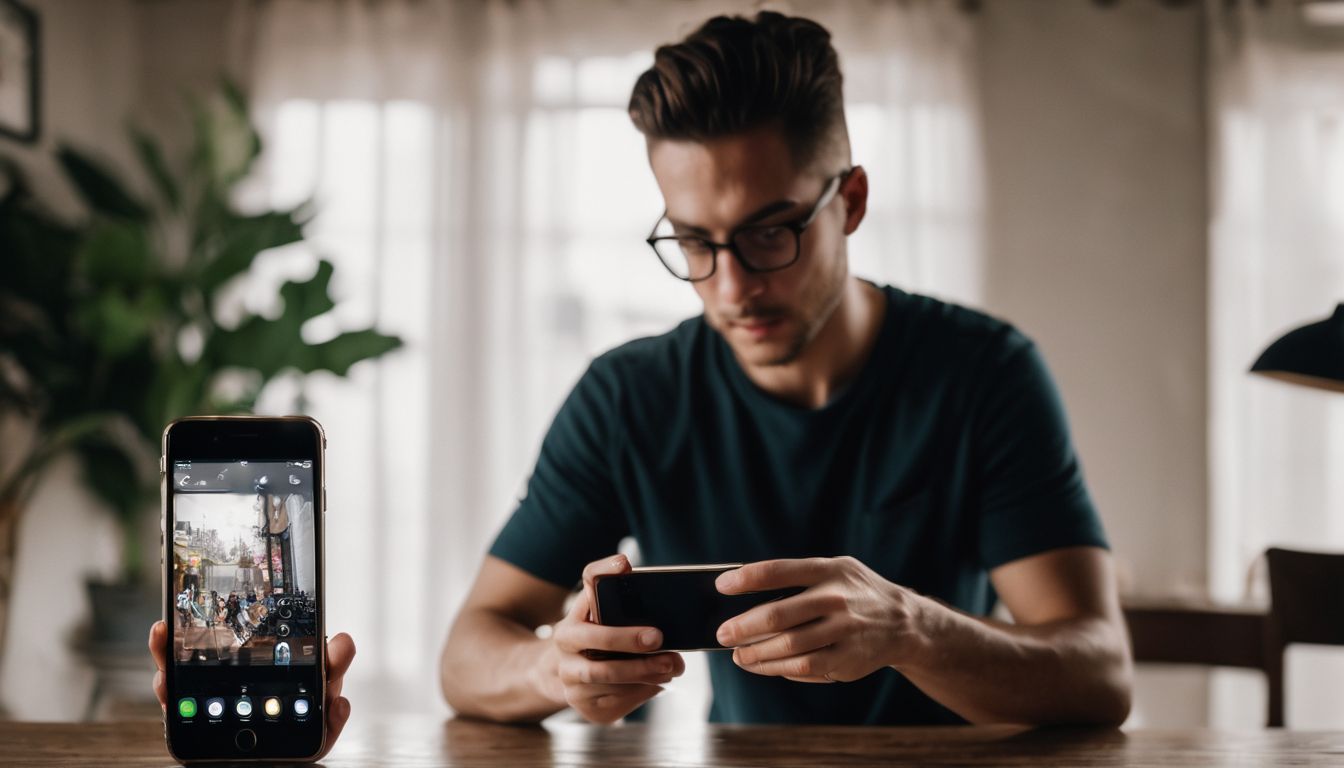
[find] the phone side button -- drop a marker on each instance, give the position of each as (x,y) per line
(246,740)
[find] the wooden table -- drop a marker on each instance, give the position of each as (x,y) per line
(427,741)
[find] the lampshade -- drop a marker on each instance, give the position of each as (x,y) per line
(1312,355)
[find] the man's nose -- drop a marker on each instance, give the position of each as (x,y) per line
(733,282)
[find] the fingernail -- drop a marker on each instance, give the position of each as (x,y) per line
(664,667)
(728,581)
(724,635)
(648,638)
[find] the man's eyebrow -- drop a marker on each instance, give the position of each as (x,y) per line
(761,213)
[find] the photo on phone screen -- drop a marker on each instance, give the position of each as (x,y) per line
(244,563)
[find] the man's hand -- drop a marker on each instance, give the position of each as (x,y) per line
(604,690)
(340,652)
(847,623)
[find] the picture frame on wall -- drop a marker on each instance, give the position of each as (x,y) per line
(19,72)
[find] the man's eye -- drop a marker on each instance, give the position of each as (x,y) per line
(693,246)
(763,237)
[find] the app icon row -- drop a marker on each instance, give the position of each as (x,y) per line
(242,707)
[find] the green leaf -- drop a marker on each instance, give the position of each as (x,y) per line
(233,95)
(226,142)
(100,190)
(151,157)
(338,354)
(306,300)
(266,346)
(115,325)
(116,252)
(38,248)
(241,238)
(111,472)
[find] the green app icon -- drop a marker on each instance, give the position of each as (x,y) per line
(186,707)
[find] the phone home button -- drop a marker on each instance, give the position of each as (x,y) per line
(246,740)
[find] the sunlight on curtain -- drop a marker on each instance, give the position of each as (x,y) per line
(483,195)
(1277,262)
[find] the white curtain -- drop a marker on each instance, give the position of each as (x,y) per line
(1277,262)
(484,195)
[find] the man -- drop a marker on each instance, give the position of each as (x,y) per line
(904,460)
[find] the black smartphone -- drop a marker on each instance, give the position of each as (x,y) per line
(243,506)
(681,601)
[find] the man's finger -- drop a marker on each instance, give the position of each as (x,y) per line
(776,616)
(773,574)
(637,696)
(158,643)
(586,636)
(799,640)
(161,690)
(604,567)
(808,665)
(340,653)
(338,714)
(578,610)
(654,670)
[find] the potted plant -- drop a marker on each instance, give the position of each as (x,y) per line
(109,326)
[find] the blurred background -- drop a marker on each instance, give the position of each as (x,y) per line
(1153,190)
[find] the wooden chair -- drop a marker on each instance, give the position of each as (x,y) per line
(1306,592)
(1306,606)
(1206,635)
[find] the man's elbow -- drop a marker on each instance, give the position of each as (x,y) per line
(1114,702)
(1114,696)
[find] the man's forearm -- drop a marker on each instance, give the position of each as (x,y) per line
(1075,671)
(493,668)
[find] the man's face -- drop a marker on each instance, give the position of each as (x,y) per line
(710,190)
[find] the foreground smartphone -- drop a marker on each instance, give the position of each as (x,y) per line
(681,601)
(243,506)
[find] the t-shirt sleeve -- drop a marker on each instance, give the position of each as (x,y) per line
(569,515)
(1030,483)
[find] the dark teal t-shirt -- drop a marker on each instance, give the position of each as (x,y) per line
(946,457)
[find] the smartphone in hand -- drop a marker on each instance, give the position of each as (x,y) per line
(680,601)
(243,507)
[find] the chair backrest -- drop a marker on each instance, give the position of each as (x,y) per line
(1306,593)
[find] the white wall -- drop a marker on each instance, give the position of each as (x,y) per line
(1096,247)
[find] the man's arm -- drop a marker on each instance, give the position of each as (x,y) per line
(1065,660)
(494,665)
(491,665)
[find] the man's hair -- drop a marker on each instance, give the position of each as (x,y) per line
(734,74)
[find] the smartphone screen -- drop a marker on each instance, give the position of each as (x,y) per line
(243,575)
(681,602)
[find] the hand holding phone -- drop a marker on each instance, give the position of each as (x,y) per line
(604,691)
(340,653)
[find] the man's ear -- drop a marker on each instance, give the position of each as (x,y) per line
(854,191)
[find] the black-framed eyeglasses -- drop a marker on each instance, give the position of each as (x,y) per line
(758,248)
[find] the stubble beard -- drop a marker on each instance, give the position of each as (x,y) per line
(832,291)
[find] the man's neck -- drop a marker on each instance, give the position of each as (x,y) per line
(835,356)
